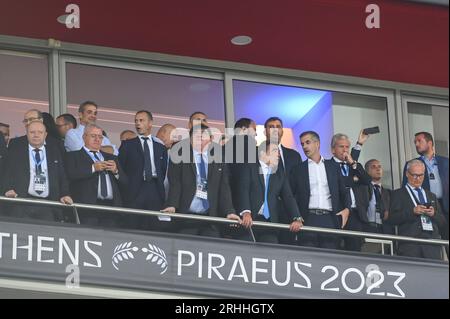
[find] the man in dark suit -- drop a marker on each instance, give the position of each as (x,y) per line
(145,163)
(199,182)
(260,186)
(239,151)
(94,179)
(417,213)
(373,201)
(320,193)
(436,177)
(36,171)
(354,175)
(289,159)
(3,151)
(21,141)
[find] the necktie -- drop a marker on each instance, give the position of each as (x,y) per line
(147,160)
(103,187)
(203,179)
(344,168)
(38,161)
(38,167)
(266,211)
(419,193)
(377,191)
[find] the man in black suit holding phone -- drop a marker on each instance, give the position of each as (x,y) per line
(417,213)
(94,179)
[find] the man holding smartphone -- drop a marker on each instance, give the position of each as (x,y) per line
(417,213)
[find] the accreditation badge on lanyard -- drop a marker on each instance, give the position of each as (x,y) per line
(39,180)
(425,220)
(202,190)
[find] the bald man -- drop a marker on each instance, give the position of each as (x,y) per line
(166,135)
(36,170)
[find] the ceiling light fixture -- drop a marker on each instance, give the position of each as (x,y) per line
(241,40)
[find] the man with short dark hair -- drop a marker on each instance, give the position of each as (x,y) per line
(145,162)
(320,193)
(417,213)
(64,123)
(261,186)
(436,177)
(197,118)
(5,132)
(74,137)
(373,201)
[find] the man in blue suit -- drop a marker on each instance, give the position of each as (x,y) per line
(436,172)
(144,161)
(320,192)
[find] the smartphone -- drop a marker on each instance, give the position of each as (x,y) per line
(429,204)
(371,130)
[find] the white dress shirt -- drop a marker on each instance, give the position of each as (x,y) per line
(44,167)
(197,204)
(352,195)
(320,196)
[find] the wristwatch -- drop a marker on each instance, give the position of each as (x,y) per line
(298,219)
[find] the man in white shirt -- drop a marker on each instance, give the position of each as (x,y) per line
(320,193)
(74,137)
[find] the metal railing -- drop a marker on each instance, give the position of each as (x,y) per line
(220,220)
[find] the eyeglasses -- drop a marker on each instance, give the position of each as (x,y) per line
(417,176)
(31,119)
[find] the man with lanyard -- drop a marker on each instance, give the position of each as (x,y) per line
(436,177)
(36,171)
(417,213)
(354,175)
(199,182)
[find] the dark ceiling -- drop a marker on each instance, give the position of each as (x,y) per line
(312,35)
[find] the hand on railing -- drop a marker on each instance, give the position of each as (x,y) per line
(169,210)
(11,194)
(296,226)
(66,200)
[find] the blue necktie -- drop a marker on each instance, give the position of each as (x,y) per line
(266,211)
(38,161)
(420,194)
(203,180)
(344,168)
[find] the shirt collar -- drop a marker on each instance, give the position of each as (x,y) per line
(205,153)
(149,136)
(338,160)
(373,183)
(414,188)
(88,150)
(31,148)
(322,160)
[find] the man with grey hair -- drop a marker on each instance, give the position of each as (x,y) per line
(417,213)
(354,175)
(94,178)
